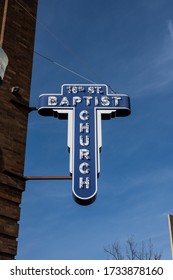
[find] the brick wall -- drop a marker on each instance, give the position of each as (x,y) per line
(18,44)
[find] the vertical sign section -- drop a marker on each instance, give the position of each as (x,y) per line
(85,152)
(84,106)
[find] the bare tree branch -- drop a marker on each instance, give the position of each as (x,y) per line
(132,251)
(115,251)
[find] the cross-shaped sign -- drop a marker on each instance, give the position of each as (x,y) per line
(84,106)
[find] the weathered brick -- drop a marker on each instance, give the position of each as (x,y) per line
(8,246)
(8,227)
(10,193)
(9,209)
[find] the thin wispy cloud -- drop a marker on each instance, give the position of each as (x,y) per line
(153,70)
(170,28)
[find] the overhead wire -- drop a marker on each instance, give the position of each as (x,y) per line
(48,30)
(62,66)
(67,48)
(71,71)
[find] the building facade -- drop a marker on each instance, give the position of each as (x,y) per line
(17,23)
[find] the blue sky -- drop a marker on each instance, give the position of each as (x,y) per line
(128,45)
